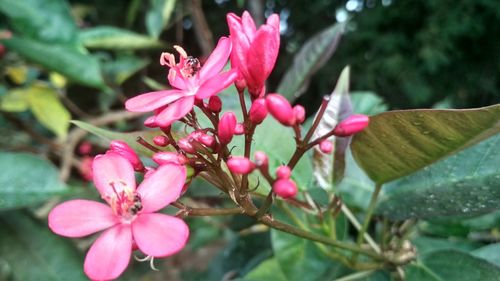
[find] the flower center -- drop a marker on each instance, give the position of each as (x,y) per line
(187,67)
(125,202)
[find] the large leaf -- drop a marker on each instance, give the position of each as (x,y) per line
(27,179)
(466,183)
(397,143)
(14,101)
(327,168)
(367,103)
(490,253)
(123,67)
(158,16)
(312,56)
(129,138)
(48,109)
(47,20)
(64,59)
(451,265)
(267,270)
(33,253)
(108,37)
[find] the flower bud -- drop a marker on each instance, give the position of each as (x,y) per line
(280,109)
(215,104)
(261,159)
(185,144)
(351,125)
(227,125)
(85,148)
(283,172)
(258,111)
(326,146)
(239,129)
(285,188)
(300,113)
(161,141)
(150,122)
(128,153)
(240,165)
(169,157)
(207,140)
(85,168)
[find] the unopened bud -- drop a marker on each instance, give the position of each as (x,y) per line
(150,122)
(185,144)
(280,109)
(169,158)
(351,125)
(206,140)
(85,148)
(161,141)
(227,125)
(326,146)
(258,111)
(240,165)
(239,129)
(300,113)
(128,153)
(283,172)
(215,104)
(285,188)
(261,159)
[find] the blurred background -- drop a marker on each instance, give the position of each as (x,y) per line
(65,60)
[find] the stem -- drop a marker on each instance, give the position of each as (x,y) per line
(319,116)
(190,211)
(355,276)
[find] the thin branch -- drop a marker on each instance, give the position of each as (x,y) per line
(201,28)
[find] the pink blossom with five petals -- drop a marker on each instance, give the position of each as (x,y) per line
(129,219)
(189,81)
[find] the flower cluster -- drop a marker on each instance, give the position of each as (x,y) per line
(131,220)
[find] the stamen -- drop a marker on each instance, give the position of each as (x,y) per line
(181,51)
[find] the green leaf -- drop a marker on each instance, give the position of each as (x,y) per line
(64,59)
(367,103)
(14,101)
(467,183)
(327,168)
(426,245)
(33,253)
(48,109)
(26,180)
(158,16)
(267,270)
(311,57)
(490,253)
(130,138)
(450,265)
(123,67)
(48,20)
(397,143)
(108,37)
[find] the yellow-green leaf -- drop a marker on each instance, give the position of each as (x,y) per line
(14,101)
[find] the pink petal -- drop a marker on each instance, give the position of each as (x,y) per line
(110,254)
(112,169)
(153,100)
(174,111)
(162,187)
(262,54)
(159,235)
(274,21)
(217,60)
(248,25)
(217,84)
(78,218)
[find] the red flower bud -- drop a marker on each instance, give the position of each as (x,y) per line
(150,122)
(280,109)
(215,104)
(128,153)
(161,141)
(261,159)
(239,129)
(85,148)
(285,188)
(240,165)
(300,113)
(258,111)
(85,168)
(283,172)
(169,157)
(207,140)
(227,125)
(185,144)
(351,125)
(326,146)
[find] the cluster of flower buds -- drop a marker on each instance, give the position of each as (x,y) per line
(197,141)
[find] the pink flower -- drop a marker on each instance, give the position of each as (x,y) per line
(189,81)
(127,152)
(254,51)
(129,219)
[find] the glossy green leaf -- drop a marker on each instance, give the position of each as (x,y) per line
(123,67)
(311,57)
(26,180)
(48,109)
(130,138)
(367,103)
(397,143)
(158,16)
(426,245)
(33,253)
(108,37)
(48,20)
(64,59)
(490,253)
(450,265)
(267,270)
(467,183)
